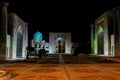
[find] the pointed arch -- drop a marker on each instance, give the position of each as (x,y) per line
(19,42)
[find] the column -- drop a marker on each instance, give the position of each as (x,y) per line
(26,34)
(25,40)
(118,19)
(92,38)
(3,32)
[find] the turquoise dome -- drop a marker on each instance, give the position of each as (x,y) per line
(38,36)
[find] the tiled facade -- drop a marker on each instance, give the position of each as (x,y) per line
(13,35)
(105,34)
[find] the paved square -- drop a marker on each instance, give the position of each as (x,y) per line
(61,70)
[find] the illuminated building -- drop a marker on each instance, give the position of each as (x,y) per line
(59,42)
(105,34)
(13,35)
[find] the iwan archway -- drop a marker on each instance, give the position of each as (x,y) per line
(60,45)
(19,44)
(100,41)
(60,42)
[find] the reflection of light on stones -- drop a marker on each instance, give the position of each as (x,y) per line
(86,70)
(111,66)
(30,78)
(78,66)
(50,70)
(48,65)
(38,70)
(9,69)
(46,78)
(2,73)
(44,70)
(118,70)
(40,78)
(14,65)
(98,78)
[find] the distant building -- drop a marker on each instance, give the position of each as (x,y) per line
(59,42)
(105,34)
(37,42)
(13,35)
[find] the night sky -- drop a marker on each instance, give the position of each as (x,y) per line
(60,16)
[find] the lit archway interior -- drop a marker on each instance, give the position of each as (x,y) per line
(60,45)
(19,43)
(100,41)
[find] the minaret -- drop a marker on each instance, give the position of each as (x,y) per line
(26,34)
(92,38)
(3,31)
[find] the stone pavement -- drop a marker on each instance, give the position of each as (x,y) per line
(62,71)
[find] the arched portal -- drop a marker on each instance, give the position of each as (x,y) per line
(60,45)
(100,41)
(19,43)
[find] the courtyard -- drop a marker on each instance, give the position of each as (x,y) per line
(63,67)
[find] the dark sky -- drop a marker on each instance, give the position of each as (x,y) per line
(60,16)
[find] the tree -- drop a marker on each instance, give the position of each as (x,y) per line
(41,51)
(29,50)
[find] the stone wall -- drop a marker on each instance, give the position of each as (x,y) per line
(18,26)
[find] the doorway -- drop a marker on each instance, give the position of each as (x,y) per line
(19,44)
(60,45)
(100,41)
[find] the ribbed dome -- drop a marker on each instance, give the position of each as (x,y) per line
(38,36)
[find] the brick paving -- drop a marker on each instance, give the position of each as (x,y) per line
(62,69)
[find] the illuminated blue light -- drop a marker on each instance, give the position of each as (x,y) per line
(38,36)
